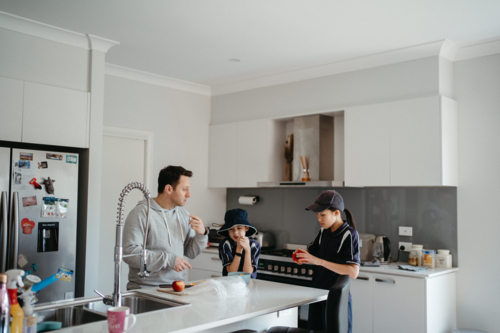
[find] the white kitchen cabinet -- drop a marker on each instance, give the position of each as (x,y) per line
(362,303)
(240,153)
(402,143)
(11,109)
(386,303)
(55,116)
(206,265)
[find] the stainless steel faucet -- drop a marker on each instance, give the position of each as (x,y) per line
(116,298)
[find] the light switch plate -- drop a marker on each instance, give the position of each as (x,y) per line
(69,295)
(405,231)
(407,246)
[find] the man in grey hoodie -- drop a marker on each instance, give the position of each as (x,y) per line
(172,232)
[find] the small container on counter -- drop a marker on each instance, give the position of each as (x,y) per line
(429,258)
(414,257)
(443,259)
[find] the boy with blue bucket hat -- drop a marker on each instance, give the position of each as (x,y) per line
(237,252)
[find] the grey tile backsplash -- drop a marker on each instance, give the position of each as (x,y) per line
(431,211)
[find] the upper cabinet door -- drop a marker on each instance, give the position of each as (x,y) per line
(367,145)
(416,142)
(223,153)
(55,116)
(252,157)
(11,109)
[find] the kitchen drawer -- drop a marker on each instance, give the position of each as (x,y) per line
(201,274)
(208,262)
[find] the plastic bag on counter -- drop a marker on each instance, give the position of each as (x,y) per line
(221,288)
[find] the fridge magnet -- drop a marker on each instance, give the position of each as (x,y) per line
(24,164)
(49,207)
(26,156)
(62,208)
(49,185)
(54,157)
(22,260)
(27,226)
(18,177)
(29,201)
(42,165)
(71,159)
(66,274)
(34,183)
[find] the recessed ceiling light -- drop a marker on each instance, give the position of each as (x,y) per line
(234,60)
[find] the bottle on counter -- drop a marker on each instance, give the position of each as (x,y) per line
(418,248)
(443,259)
(4,305)
(414,257)
(15,280)
(429,259)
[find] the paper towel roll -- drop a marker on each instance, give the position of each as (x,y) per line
(246,200)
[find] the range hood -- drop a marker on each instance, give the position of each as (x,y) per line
(312,183)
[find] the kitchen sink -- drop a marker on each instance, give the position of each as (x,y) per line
(88,310)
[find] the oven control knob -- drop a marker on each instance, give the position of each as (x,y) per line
(303,271)
(276,268)
(310,272)
(283,268)
(289,270)
(269,267)
(295,270)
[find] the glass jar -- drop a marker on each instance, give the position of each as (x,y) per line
(414,257)
(419,248)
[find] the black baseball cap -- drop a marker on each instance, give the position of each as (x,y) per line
(327,199)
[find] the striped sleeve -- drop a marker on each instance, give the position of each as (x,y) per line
(255,249)
(225,253)
(349,247)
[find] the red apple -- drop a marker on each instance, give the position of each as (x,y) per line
(294,258)
(178,285)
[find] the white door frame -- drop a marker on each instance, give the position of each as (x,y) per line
(147,136)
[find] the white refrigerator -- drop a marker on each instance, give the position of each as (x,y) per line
(38,220)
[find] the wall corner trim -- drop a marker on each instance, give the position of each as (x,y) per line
(481,49)
(49,32)
(100,44)
(137,75)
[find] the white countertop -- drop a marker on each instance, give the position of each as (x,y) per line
(393,269)
(264,297)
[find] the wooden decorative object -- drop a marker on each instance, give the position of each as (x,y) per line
(305,169)
(288,153)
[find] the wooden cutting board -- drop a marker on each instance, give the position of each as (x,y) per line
(171,291)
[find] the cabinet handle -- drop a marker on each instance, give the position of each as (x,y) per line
(214,276)
(386,281)
(215,258)
(362,278)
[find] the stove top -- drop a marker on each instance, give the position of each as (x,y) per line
(279,253)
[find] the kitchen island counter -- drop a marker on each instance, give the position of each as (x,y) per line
(258,310)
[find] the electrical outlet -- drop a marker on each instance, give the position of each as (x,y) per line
(405,231)
(407,246)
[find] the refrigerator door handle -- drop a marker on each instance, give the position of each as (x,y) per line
(4,225)
(14,229)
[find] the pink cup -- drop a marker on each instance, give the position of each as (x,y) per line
(118,319)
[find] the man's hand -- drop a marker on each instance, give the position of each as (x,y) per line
(197,224)
(244,243)
(181,264)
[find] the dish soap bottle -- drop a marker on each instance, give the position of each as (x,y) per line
(15,280)
(4,305)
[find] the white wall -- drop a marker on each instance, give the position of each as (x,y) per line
(330,93)
(477,90)
(180,122)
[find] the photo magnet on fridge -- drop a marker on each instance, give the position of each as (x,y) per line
(26,156)
(21,260)
(71,159)
(42,165)
(29,201)
(54,157)
(24,164)
(27,226)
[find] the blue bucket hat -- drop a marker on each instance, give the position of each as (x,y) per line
(327,199)
(236,217)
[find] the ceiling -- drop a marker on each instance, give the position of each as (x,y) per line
(194,40)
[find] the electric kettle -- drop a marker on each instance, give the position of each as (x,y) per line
(382,249)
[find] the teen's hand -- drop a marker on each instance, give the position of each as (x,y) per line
(181,264)
(307,258)
(244,243)
(197,224)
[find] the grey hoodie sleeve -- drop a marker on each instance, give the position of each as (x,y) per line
(133,237)
(195,243)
